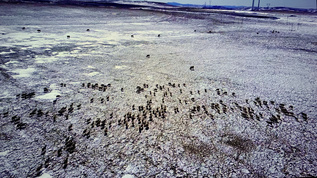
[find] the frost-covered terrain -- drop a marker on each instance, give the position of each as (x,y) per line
(106,92)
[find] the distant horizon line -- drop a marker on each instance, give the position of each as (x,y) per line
(205,5)
(228,7)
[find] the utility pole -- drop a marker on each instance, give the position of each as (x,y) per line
(259,5)
(253,5)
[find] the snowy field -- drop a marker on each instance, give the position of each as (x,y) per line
(106,92)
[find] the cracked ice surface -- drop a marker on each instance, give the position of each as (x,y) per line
(93,104)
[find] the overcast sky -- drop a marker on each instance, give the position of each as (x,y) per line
(264,3)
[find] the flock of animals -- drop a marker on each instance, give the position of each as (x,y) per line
(161,102)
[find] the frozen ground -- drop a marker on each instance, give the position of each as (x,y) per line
(95,105)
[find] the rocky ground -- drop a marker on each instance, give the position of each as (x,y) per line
(106,92)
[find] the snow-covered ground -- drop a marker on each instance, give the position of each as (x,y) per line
(106,92)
